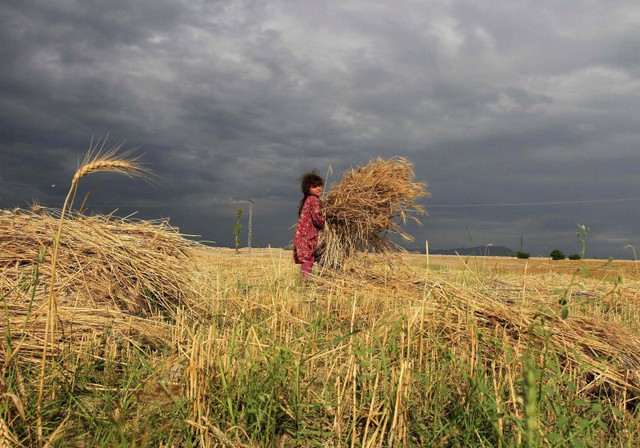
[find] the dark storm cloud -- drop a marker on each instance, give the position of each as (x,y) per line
(496,103)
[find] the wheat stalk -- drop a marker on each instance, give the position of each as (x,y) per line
(98,158)
(7,439)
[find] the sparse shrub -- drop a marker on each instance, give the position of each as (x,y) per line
(523,255)
(557,254)
(237,229)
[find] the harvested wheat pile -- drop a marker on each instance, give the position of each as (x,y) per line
(601,354)
(110,273)
(366,207)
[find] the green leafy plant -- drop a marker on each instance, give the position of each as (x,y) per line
(557,254)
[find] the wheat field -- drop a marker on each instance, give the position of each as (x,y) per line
(406,354)
(391,351)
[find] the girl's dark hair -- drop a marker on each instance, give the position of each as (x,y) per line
(307,181)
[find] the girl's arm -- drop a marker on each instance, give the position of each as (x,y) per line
(316,212)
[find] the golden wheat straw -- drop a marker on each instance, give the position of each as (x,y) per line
(7,439)
(97,159)
(368,206)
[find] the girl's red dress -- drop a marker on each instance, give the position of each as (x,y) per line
(310,223)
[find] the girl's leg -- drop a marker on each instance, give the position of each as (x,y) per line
(306,267)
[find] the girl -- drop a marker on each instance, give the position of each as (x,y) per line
(310,222)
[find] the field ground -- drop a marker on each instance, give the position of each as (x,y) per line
(466,298)
(597,268)
(437,351)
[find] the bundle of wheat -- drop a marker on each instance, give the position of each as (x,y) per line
(109,272)
(366,207)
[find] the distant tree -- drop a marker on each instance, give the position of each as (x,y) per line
(575,257)
(522,254)
(557,254)
(237,229)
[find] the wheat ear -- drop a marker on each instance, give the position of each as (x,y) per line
(98,158)
(111,159)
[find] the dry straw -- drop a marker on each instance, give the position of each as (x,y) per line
(99,158)
(606,354)
(368,206)
(112,272)
(7,439)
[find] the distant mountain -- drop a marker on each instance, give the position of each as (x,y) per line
(491,251)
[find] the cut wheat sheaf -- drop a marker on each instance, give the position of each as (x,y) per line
(367,208)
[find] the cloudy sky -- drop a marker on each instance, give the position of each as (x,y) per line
(523,117)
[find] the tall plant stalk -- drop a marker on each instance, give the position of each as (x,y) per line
(98,158)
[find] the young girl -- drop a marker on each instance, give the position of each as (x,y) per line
(310,222)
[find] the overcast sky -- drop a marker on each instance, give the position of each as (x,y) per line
(503,106)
